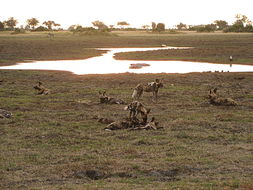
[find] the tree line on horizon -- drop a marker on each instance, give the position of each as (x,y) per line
(11,23)
(241,24)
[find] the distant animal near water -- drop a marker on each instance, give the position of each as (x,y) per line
(150,87)
(215,100)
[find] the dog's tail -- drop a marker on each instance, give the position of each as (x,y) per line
(135,93)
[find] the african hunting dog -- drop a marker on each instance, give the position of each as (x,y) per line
(123,124)
(5,114)
(50,36)
(41,89)
(136,108)
(150,87)
(133,124)
(104,99)
(215,100)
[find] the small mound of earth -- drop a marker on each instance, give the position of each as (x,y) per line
(138,65)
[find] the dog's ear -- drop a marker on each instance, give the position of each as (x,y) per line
(148,111)
(104,93)
(99,92)
(215,90)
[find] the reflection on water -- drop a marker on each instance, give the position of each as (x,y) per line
(107,64)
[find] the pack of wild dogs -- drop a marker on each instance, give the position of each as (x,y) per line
(138,112)
(136,108)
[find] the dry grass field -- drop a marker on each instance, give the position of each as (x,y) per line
(55,141)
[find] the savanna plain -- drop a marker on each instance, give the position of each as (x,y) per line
(55,141)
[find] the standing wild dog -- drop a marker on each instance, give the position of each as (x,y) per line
(104,99)
(136,108)
(150,87)
(215,100)
(50,36)
(41,89)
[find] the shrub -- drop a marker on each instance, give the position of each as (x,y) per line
(1,26)
(239,28)
(18,31)
(40,29)
(206,28)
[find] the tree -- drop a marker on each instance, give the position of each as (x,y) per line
(145,27)
(181,26)
(153,26)
(242,20)
(100,25)
(221,24)
(76,28)
(122,24)
(32,22)
(160,27)
(49,24)
(11,23)
(242,24)
(72,27)
(1,26)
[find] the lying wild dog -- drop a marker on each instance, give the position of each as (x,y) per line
(5,114)
(215,100)
(104,99)
(150,87)
(105,120)
(136,108)
(124,124)
(41,89)
(133,124)
(150,125)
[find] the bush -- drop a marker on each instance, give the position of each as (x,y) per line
(206,28)
(91,31)
(239,28)
(249,28)
(40,29)
(95,33)
(18,31)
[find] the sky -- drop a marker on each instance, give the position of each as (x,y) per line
(135,12)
